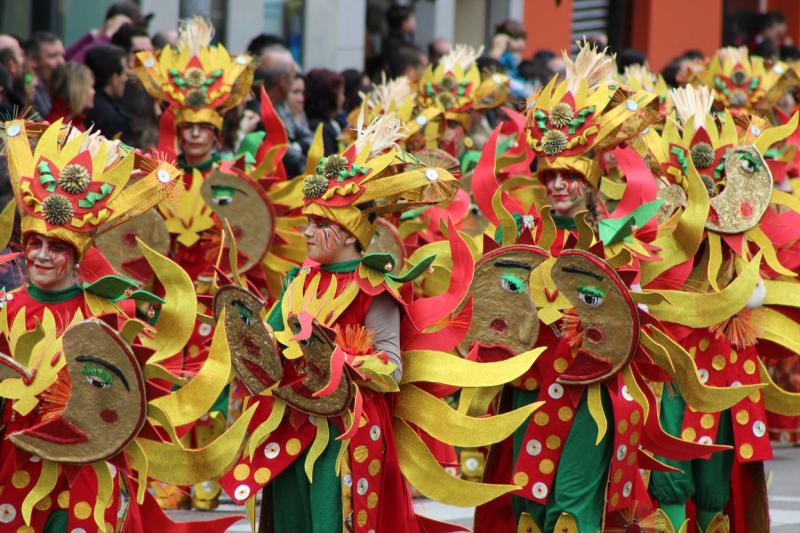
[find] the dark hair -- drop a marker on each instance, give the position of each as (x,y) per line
(671,71)
(487,64)
(261,41)
(322,87)
(630,56)
(544,55)
(6,55)
(104,60)
(767,49)
(692,53)
(128,9)
(160,40)
(788,53)
(770,19)
(512,28)
(396,15)
(352,85)
(34,44)
(404,57)
(125,34)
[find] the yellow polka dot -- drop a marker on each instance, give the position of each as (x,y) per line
(262,475)
(541,418)
(718,362)
(565,413)
(109,527)
(546,466)
(553,442)
(293,446)
(44,504)
(25,529)
(241,472)
(635,417)
(360,454)
(689,434)
(746,451)
(82,510)
(372,500)
(631,459)
(374,467)
(704,344)
(20,479)
(707,421)
(622,427)
(361,518)
(63,499)
(362,422)
(634,438)
(617,475)
(749,367)
(560,364)
(193,350)
(755,397)
(520,479)
(733,356)
(743,417)
(615,500)
(531,384)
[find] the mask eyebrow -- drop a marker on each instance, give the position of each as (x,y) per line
(582,272)
(507,263)
(102,362)
(227,188)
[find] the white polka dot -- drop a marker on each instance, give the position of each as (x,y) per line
(622,451)
(736,384)
(631,105)
(705,440)
(471,464)
(271,450)
(242,60)
(759,428)
(163,176)
(755,130)
(431,175)
(362,486)
(556,391)
(703,375)
(112,469)
(347,480)
(149,62)
(626,393)
(539,490)
(204,330)
(527,221)
(13,130)
(779,69)
(242,492)
(77,530)
(626,489)
(534,447)
(207,486)
(7,513)
(422,120)
(35,459)
(496,78)
(375,433)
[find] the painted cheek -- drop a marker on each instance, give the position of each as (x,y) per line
(109,416)
(575,189)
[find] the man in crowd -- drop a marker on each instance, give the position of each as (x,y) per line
(107,63)
(44,52)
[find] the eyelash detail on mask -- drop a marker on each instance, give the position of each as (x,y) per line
(96,376)
(512,283)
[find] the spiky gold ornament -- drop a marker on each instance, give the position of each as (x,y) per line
(315,186)
(74,179)
(196,99)
(703,155)
(560,115)
(737,98)
(57,210)
(554,142)
(738,77)
(334,165)
(194,77)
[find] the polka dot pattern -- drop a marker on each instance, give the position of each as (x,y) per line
(627,427)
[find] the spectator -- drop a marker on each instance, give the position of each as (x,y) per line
(508,44)
(165,37)
(15,73)
(407,61)
(261,42)
(118,13)
(324,99)
(628,57)
(136,103)
(277,70)
(44,52)
(771,28)
(72,93)
(438,49)
(107,63)
(296,101)
(402,24)
(6,104)
(355,83)
(15,53)
(767,49)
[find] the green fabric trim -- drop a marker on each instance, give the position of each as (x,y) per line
(343,267)
(202,167)
(565,222)
(56,522)
(53,297)
(114,288)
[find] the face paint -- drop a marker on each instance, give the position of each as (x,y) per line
(566,192)
(326,241)
(254,352)
(241,202)
(50,262)
(745,198)
(106,405)
(503,313)
(609,317)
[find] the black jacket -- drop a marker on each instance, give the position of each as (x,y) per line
(107,116)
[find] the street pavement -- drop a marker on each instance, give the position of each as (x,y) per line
(783,473)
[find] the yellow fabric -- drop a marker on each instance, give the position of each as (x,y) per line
(595,404)
(449,369)
(44,486)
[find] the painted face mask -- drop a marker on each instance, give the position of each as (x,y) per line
(254,352)
(386,239)
(106,405)
(239,200)
(119,244)
(312,372)
(746,192)
(608,315)
(503,314)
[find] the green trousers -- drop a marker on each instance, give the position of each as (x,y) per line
(580,481)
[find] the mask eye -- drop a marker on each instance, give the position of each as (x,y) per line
(96,376)
(511,283)
(748,163)
(244,313)
(591,296)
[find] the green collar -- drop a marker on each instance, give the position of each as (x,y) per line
(202,167)
(565,222)
(344,266)
(53,297)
